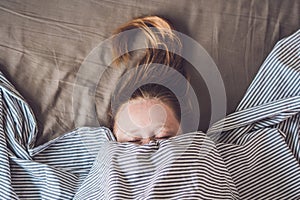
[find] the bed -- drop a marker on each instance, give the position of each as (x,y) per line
(43,45)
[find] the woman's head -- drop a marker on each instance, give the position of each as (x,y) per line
(151,110)
(152,113)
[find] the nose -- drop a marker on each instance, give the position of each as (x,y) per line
(146,140)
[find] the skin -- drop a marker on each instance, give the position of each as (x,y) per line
(142,120)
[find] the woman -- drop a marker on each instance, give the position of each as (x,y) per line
(152,111)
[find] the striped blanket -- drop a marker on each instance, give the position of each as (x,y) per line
(254,153)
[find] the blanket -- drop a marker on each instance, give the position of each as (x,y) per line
(252,153)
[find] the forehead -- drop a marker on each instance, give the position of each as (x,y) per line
(145,116)
(144,112)
(144,105)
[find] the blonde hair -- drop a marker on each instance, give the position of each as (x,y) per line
(161,50)
(162,43)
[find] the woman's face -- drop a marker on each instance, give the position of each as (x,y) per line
(142,120)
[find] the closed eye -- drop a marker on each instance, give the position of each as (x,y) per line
(164,137)
(134,141)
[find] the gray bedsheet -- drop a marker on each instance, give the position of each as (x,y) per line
(43,43)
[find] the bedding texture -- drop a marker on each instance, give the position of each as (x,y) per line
(253,153)
(43,44)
